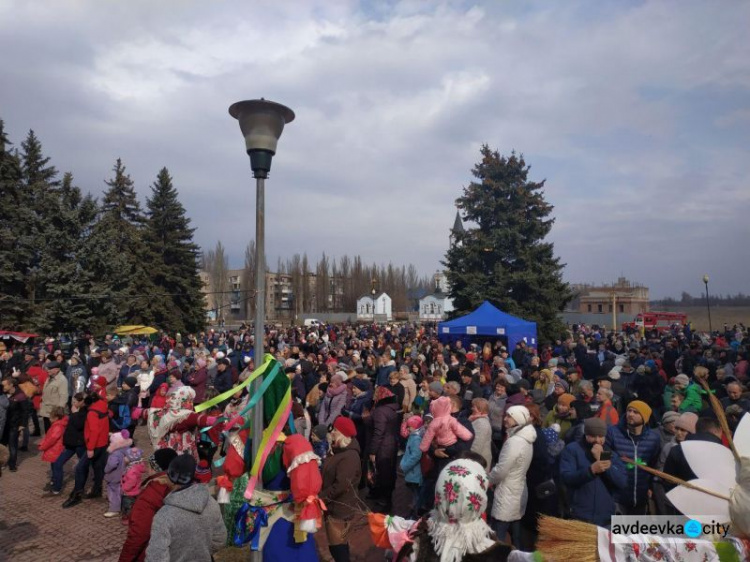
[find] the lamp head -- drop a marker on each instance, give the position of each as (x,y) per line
(705,279)
(261,123)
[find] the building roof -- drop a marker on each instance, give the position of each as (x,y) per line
(458,226)
(436,295)
(369,295)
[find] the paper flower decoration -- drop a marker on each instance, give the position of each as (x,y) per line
(719,472)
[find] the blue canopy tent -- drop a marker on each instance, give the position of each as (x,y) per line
(490,322)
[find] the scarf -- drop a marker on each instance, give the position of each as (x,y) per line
(335,391)
(179,406)
(455,525)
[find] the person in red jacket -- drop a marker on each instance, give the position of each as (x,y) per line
(96,437)
(153,491)
(52,446)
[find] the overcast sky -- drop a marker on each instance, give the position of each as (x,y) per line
(636,113)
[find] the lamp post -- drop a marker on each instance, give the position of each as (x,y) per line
(261,123)
(708,305)
(372,292)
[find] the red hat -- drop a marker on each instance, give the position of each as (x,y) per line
(203,472)
(345,426)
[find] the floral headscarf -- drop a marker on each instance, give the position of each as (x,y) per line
(382,392)
(160,422)
(455,526)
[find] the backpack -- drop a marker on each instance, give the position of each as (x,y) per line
(122,421)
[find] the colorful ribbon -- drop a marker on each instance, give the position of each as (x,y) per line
(270,436)
(267,360)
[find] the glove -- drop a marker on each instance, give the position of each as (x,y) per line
(346,413)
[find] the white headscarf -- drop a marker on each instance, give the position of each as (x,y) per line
(455,525)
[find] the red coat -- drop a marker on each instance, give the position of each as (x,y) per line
(96,430)
(52,444)
(149,501)
(39,377)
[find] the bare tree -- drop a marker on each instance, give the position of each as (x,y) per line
(217,268)
(248,280)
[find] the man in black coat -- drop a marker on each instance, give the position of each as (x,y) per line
(706,429)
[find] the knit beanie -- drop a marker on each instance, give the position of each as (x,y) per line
(131,381)
(134,454)
(669,417)
(565,386)
(436,387)
(361,384)
(414,422)
(642,408)
(182,469)
(682,380)
(520,414)
(687,421)
(565,399)
(203,472)
(595,427)
(320,431)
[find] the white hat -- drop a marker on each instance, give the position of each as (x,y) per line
(520,414)
(248,359)
(220,355)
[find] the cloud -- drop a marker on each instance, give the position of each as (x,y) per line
(635,114)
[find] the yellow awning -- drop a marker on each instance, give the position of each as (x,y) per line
(135,330)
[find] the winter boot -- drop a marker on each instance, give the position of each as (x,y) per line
(340,552)
(76,496)
(94,494)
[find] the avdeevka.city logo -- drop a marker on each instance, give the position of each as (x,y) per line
(624,527)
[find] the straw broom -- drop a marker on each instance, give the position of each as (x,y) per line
(561,540)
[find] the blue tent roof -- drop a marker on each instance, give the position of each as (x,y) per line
(488,320)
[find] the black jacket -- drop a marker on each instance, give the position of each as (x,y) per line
(676,463)
(73,436)
(18,411)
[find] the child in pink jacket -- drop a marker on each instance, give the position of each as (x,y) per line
(132,476)
(444,429)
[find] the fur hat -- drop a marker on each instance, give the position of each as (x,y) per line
(160,459)
(687,421)
(642,408)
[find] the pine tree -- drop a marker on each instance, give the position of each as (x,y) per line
(12,281)
(68,284)
(505,259)
(117,258)
(174,260)
(39,201)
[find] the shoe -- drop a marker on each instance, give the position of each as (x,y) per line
(13,469)
(74,499)
(51,494)
(93,494)
(47,487)
(111,514)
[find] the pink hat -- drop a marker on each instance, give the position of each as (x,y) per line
(687,421)
(414,422)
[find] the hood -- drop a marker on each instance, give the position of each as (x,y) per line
(100,406)
(193,498)
(527,433)
(440,407)
(295,445)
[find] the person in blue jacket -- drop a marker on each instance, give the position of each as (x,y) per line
(633,438)
(410,462)
(591,481)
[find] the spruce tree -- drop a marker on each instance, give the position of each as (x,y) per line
(69,284)
(12,280)
(505,259)
(116,257)
(174,259)
(39,201)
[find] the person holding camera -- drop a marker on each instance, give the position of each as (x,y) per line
(592,474)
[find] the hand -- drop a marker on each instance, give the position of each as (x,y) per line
(600,466)
(372,458)
(90,454)
(441,454)
(596,451)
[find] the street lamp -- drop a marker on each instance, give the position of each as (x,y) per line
(708,306)
(261,123)
(372,292)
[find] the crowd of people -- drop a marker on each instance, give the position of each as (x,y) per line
(545,430)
